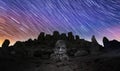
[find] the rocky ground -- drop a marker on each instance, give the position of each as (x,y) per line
(85,63)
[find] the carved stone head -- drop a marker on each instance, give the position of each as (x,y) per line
(60,47)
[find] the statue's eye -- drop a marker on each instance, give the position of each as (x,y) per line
(58,47)
(63,47)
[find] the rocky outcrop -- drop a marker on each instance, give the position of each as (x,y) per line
(110,45)
(6,44)
(106,42)
(95,47)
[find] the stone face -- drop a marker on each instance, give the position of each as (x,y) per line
(60,47)
(60,51)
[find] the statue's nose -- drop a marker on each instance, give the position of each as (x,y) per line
(60,49)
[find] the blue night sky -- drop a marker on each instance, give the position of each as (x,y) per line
(23,19)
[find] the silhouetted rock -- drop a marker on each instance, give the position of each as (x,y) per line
(77,37)
(83,55)
(95,47)
(48,38)
(70,36)
(6,44)
(93,39)
(84,44)
(106,42)
(41,37)
(110,45)
(19,44)
(63,36)
(56,35)
(114,44)
(29,43)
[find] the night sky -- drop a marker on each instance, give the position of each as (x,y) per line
(24,19)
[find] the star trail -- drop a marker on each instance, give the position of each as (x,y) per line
(24,19)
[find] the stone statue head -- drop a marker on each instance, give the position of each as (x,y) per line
(60,47)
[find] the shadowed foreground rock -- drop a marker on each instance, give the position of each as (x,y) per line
(76,64)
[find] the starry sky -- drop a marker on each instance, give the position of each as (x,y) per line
(24,19)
